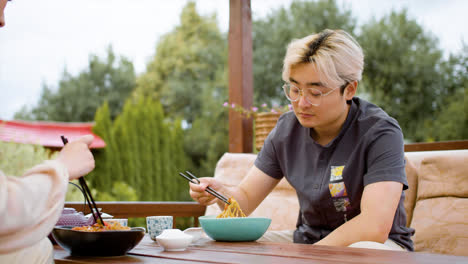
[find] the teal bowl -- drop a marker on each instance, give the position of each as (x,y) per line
(234,228)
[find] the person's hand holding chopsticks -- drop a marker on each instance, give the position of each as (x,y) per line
(77,157)
(198,193)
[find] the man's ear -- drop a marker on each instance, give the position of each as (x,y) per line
(350,90)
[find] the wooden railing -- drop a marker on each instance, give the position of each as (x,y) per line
(441,145)
(144,209)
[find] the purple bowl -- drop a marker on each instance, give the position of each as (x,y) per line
(70,217)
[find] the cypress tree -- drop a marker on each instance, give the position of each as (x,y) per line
(180,163)
(154,145)
(165,154)
(119,154)
(143,151)
(122,136)
(184,163)
(157,151)
(145,119)
(172,168)
(100,176)
(134,141)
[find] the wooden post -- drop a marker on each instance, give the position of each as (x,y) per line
(240,75)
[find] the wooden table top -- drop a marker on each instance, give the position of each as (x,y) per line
(209,251)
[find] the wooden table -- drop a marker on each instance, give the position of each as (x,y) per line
(209,251)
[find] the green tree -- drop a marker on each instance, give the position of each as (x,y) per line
(17,158)
(450,122)
(188,62)
(156,127)
(111,168)
(142,154)
(78,97)
(120,191)
(272,34)
(114,191)
(180,158)
(188,76)
(402,71)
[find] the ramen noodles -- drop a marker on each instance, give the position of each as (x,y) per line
(231,210)
(113,226)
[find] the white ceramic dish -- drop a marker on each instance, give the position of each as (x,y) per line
(195,232)
(174,240)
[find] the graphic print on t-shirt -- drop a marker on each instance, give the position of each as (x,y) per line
(341,204)
(336,173)
(338,189)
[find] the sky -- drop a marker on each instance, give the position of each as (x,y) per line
(44,38)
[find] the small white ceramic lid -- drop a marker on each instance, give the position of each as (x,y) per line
(173,233)
(103,215)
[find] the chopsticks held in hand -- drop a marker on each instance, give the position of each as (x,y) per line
(209,190)
(87,194)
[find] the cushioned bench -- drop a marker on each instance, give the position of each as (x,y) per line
(436,201)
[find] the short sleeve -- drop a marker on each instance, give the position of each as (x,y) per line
(385,158)
(267,158)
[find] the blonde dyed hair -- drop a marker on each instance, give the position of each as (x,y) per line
(337,56)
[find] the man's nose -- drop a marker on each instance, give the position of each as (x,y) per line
(303,101)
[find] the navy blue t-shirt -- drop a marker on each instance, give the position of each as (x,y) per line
(329,180)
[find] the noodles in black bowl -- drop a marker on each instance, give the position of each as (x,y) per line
(102,243)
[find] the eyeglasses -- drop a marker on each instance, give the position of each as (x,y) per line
(312,95)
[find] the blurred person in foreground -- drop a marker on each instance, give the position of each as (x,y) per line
(2,14)
(31,205)
(343,155)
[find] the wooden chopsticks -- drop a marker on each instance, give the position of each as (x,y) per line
(87,194)
(193,179)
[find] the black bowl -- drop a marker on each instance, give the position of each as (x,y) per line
(104,243)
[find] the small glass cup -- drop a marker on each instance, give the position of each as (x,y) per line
(121,221)
(157,224)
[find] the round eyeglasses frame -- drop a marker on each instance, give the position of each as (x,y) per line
(314,97)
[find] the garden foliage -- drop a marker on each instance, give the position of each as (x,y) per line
(144,150)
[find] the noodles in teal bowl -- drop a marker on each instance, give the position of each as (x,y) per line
(234,228)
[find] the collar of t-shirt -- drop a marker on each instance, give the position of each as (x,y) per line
(349,118)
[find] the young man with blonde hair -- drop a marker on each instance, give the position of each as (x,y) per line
(344,156)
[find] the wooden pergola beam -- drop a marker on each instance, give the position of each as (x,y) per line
(240,75)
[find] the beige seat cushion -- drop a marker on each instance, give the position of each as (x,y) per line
(281,205)
(441,226)
(441,211)
(411,192)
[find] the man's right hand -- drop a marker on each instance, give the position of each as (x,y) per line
(77,157)
(198,193)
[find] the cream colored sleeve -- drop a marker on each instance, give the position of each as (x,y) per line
(31,205)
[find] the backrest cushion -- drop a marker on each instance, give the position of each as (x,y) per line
(444,175)
(411,192)
(281,205)
(441,211)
